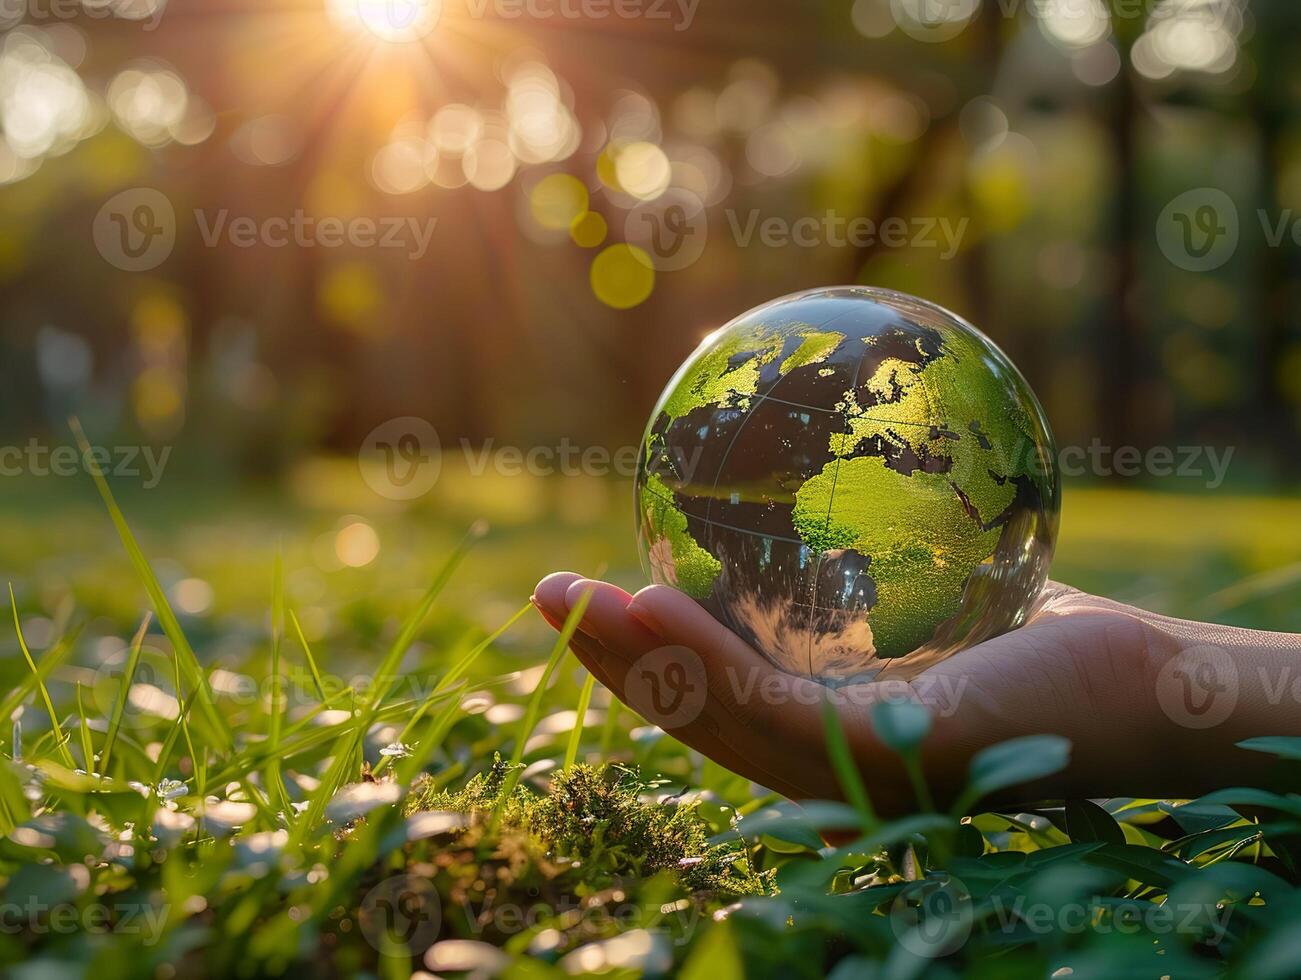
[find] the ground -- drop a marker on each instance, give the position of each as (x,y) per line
(268,834)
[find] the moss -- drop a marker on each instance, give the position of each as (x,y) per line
(694,567)
(598,825)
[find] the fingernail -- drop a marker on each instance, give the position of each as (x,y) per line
(646,618)
(554,623)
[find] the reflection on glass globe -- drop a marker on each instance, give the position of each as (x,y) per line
(856,481)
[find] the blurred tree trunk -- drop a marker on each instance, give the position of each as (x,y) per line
(1277,273)
(1119,331)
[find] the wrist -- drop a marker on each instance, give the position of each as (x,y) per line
(1214,687)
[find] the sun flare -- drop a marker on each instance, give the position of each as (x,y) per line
(395,21)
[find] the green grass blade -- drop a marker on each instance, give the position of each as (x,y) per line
(119,705)
(275,783)
(576,736)
(59,738)
(83,730)
(215,725)
(386,673)
(846,769)
(534,710)
(311,660)
(456,672)
(443,722)
(50,661)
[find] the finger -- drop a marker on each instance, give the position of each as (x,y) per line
(611,642)
(757,692)
(549,596)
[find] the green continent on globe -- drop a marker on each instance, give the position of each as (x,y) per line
(921,541)
(694,567)
(856,481)
(943,408)
(715,380)
(923,532)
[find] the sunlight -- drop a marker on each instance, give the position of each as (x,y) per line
(395,21)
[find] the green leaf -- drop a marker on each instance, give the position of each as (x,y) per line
(1285,747)
(1012,763)
(783,819)
(970,842)
(714,957)
(1086,822)
(1244,796)
(902,725)
(842,762)
(1142,864)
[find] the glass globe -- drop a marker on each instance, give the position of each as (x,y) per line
(854,480)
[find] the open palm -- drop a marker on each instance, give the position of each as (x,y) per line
(1082,667)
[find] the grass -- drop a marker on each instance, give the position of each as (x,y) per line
(250,741)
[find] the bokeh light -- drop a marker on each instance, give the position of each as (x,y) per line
(622,276)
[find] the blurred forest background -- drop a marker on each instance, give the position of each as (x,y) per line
(1058,130)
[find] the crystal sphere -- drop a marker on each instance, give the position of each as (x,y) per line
(854,480)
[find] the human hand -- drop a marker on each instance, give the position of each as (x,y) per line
(1095,671)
